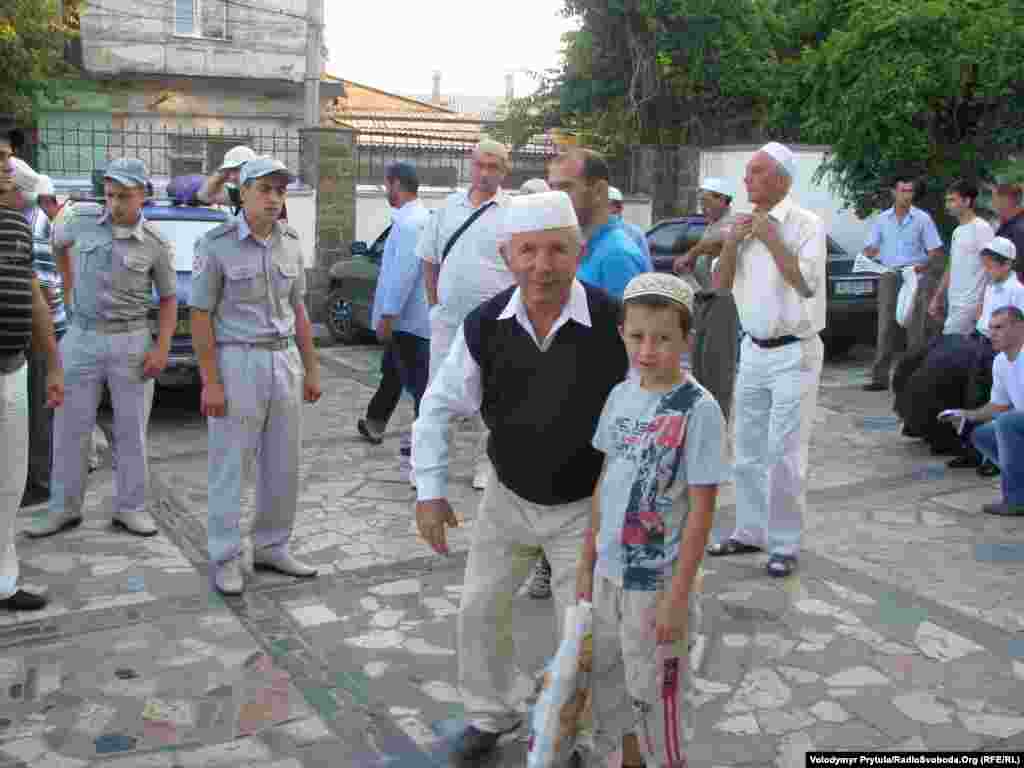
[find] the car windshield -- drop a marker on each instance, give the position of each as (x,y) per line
(184,235)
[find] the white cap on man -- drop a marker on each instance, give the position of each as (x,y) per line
(538,212)
(614,195)
(534,186)
(236,157)
(717,185)
(1001,248)
(782,155)
(45,187)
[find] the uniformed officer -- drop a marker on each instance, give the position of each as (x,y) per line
(257,361)
(115,261)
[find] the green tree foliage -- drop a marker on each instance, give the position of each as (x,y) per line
(932,87)
(32,37)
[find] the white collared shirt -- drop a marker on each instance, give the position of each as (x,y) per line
(997,296)
(768,306)
(474,271)
(457,390)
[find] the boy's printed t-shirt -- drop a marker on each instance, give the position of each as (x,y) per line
(656,444)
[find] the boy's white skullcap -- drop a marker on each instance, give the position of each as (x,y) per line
(535,213)
(783,155)
(488,146)
(662,285)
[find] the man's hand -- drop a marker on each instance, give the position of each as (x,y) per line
(671,618)
(919,268)
(764,229)
(936,307)
(685,263)
(585,580)
(155,362)
(55,388)
(311,386)
(212,403)
(384,328)
(432,518)
(742,228)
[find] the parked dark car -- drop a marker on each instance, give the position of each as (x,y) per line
(353,283)
(852,297)
(183,226)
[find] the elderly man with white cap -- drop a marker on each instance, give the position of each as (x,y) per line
(616,206)
(222,187)
(524,359)
(774,262)
(111,264)
(24,322)
(258,364)
(461,264)
(713,358)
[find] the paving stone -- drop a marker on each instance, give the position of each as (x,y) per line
(739,725)
(923,707)
(874,706)
(939,643)
(953,738)
(913,671)
(851,736)
(856,677)
(830,712)
(793,749)
(762,688)
(778,721)
(999,726)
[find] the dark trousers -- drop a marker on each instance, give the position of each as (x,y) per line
(40,423)
(893,339)
(405,365)
(714,355)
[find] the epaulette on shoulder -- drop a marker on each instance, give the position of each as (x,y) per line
(222,229)
(153,230)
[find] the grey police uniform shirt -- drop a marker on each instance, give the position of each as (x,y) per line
(251,287)
(115,268)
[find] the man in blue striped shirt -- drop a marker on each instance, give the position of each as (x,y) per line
(40,418)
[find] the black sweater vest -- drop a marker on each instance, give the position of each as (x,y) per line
(543,407)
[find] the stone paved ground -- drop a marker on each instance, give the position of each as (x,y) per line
(904,626)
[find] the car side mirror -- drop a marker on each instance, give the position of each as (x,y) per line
(359,248)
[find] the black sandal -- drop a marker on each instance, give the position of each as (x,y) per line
(781,565)
(731,547)
(988,469)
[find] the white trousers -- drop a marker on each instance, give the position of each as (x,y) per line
(506,535)
(262,428)
(776,401)
(14,432)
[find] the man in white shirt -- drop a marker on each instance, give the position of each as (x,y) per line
(964,282)
(473,271)
(517,357)
(1000,434)
(774,262)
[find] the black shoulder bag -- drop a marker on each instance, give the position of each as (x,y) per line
(465,225)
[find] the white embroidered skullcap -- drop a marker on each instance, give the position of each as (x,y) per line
(716,185)
(614,195)
(660,284)
(782,155)
(24,178)
(1001,248)
(534,186)
(488,146)
(538,212)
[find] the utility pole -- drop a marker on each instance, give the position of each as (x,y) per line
(314,62)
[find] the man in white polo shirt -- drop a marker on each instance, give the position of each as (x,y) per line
(1000,434)
(774,262)
(461,264)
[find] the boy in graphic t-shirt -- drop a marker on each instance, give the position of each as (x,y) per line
(662,436)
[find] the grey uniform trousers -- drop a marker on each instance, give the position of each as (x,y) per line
(715,349)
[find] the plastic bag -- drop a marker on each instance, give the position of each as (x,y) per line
(905,299)
(182,189)
(566,690)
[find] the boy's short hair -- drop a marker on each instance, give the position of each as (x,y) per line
(966,188)
(659,302)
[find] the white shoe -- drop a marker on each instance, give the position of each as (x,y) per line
(282,561)
(52,524)
(138,522)
(228,577)
(480,476)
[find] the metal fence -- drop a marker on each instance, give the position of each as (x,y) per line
(71,148)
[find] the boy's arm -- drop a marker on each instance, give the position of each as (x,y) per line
(588,555)
(695,538)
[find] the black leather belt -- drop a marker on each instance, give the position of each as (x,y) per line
(778,341)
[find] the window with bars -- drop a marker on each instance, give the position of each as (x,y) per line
(201,18)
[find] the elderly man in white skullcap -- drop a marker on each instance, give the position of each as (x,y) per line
(773,260)
(525,360)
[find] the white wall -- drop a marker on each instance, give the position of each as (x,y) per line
(843,225)
(373,214)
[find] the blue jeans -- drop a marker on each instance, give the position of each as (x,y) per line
(1001,441)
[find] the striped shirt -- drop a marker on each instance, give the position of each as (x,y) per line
(49,276)
(15,289)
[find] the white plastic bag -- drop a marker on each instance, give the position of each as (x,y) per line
(905,299)
(566,689)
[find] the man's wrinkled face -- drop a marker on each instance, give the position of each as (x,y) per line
(903,194)
(1005,205)
(123,203)
(487,172)
(544,263)
(765,183)
(263,198)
